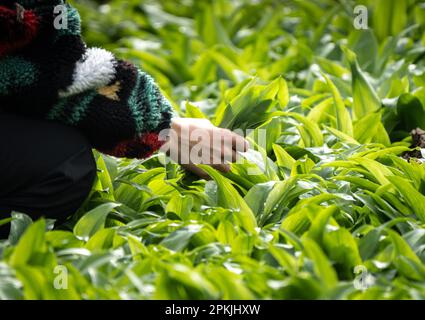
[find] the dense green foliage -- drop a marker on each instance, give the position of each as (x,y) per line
(332,196)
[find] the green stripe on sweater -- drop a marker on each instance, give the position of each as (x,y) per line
(73,27)
(134,104)
(150,96)
(16,73)
(81,108)
(78,105)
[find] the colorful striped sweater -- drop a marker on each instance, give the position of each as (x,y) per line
(49,72)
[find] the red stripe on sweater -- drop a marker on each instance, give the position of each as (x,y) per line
(152,140)
(16,34)
(140,147)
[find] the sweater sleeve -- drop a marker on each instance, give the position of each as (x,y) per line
(48,71)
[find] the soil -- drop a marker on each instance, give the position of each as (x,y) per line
(418,136)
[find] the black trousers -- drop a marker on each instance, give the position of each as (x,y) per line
(46,169)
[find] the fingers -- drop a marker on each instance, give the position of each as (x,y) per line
(230,155)
(198,171)
(224,156)
(199,141)
(238,143)
(224,168)
(235,156)
(179,123)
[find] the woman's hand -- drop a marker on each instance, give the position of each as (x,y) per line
(197,141)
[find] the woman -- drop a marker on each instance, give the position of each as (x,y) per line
(59,99)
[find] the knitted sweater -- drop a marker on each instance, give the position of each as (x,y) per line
(49,72)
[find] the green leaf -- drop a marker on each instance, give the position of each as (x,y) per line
(331,67)
(320,112)
(322,266)
(101,240)
(93,221)
(30,244)
(286,260)
(366,47)
(368,245)
(104,178)
(20,222)
(228,197)
(179,239)
(313,136)
(340,112)
(413,197)
(283,158)
(250,107)
(411,112)
(280,192)
(342,248)
(194,112)
(319,219)
(379,171)
(366,128)
(268,132)
(180,205)
(298,222)
(226,232)
(257,195)
(365,99)
(232,285)
(211,29)
(283,93)
(389,18)
(342,136)
(178,281)
(405,259)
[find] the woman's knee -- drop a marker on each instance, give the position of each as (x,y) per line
(56,196)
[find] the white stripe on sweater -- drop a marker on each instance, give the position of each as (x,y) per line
(95,70)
